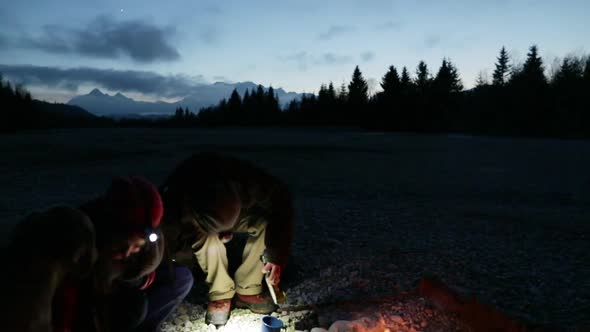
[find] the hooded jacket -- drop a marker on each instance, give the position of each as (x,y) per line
(196,189)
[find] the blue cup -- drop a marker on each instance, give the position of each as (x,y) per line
(271,324)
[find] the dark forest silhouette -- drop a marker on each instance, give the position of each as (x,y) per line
(519,101)
(18,110)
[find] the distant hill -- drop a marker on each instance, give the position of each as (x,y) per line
(54,115)
(119,105)
(205,95)
(63,110)
(21,112)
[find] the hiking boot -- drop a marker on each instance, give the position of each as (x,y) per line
(218,312)
(259,304)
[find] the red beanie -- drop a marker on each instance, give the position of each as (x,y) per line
(136,202)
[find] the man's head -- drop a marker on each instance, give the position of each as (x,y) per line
(61,235)
(125,217)
(216,210)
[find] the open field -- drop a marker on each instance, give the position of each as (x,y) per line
(508,219)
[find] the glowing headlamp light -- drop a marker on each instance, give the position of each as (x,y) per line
(151,235)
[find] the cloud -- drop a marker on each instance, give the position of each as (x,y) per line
(221,79)
(431,41)
(389,25)
(376,5)
(367,56)
(105,37)
(209,34)
(304,60)
(213,9)
(301,59)
(331,58)
(145,82)
(335,31)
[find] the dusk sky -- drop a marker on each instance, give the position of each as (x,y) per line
(160,49)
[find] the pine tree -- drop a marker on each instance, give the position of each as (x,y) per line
(423,78)
(587,71)
(447,79)
(272,101)
(343,93)
(500,76)
(322,94)
(235,103)
(571,72)
(260,94)
(405,81)
(532,74)
(390,82)
(178,113)
(358,89)
(331,92)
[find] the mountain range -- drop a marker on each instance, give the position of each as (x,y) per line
(119,105)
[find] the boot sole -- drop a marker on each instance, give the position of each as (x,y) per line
(257,310)
(217,321)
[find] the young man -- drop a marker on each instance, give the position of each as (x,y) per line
(90,270)
(208,198)
(139,294)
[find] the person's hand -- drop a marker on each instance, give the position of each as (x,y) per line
(225,237)
(274,273)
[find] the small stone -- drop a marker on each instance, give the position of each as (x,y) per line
(397,319)
(182,309)
(184,318)
(423,324)
(340,326)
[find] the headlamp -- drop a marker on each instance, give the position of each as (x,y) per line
(150,235)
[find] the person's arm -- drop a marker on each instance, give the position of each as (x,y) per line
(279,231)
(266,196)
(45,250)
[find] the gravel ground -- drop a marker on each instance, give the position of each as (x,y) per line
(506,220)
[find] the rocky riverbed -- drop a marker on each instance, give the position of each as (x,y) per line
(506,220)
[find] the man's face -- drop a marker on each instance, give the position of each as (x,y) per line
(132,246)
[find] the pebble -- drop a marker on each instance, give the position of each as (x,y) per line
(182,309)
(397,319)
(423,324)
(318,329)
(340,326)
